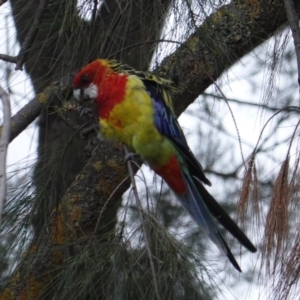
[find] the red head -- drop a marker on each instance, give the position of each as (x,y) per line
(99,81)
(87,80)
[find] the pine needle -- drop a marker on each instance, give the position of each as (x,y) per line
(290,272)
(277,229)
(248,191)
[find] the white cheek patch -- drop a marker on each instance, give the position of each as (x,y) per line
(90,92)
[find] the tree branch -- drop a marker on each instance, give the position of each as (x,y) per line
(31,34)
(29,112)
(2,2)
(4,141)
(8,58)
(222,39)
(293,20)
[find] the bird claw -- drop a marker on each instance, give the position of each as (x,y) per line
(92,125)
(130,156)
(86,131)
(86,112)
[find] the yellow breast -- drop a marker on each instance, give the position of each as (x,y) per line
(132,123)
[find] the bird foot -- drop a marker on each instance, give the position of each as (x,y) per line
(87,130)
(130,156)
(86,112)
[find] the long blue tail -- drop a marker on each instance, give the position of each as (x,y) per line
(206,211)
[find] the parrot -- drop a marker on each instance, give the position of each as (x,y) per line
(135,108)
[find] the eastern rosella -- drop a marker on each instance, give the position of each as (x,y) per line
(135,108)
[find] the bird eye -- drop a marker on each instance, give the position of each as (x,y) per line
(85,79)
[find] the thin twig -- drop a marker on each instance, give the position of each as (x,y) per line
(292,139)
(233,118)
(8,58)
(147,42)
(140,210)
(293,20)
(288,108)
(4,141)
(2,2)
(240,102)
(94,11)
(34,29)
